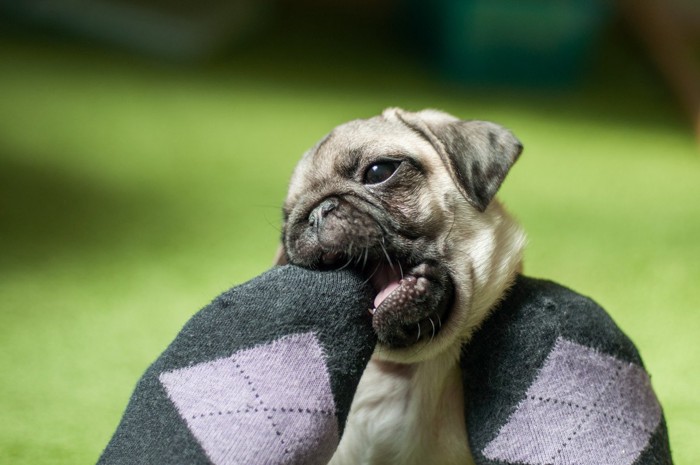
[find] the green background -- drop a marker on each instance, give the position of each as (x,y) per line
(133,192)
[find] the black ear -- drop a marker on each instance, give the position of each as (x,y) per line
(478,154)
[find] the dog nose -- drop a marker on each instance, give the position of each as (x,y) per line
(319,213)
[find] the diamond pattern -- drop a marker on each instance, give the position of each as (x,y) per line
(268,404)
(584,408)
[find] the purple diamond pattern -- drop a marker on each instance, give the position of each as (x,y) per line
(584,408)
(268,404)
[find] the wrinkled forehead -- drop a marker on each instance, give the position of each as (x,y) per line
(376,135)
(351,144)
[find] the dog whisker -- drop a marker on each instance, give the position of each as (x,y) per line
(418,337)
(386,254)
(439,320)
(372,275)
(432,323)
(417,348)
(346,263)
(274,226)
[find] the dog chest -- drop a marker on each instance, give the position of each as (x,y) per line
(406,414)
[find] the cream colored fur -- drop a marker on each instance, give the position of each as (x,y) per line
(409,406)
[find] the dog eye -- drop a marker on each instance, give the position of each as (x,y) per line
(380,172)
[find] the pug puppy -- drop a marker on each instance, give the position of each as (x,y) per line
(408,199)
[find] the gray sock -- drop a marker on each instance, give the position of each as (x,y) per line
(263,375)
(550,379)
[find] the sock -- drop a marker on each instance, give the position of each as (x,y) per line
(265,374)
(550,379)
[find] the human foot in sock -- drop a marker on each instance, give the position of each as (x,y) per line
(264,374)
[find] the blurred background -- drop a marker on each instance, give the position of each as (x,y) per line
(145,148)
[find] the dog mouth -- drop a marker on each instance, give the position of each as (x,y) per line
(413,288)
(411,302)
(385,280)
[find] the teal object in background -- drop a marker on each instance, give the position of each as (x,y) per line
(531,42)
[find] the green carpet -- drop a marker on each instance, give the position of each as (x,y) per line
(132,193)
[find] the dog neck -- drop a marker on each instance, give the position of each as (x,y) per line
(491,266)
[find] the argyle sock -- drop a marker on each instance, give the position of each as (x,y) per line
(550,379)
(265,374)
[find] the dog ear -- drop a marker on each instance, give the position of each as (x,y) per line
(477,154)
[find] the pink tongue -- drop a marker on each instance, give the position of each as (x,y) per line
(384,293)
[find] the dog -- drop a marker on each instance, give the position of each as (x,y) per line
(407,198)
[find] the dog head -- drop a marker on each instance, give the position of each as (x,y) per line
(408,198)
